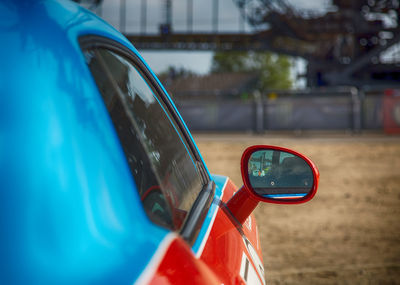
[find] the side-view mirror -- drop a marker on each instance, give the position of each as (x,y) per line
(279,175)
(275,175)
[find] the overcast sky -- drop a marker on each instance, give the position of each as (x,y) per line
(199,62)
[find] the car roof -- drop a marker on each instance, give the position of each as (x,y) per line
(69,209)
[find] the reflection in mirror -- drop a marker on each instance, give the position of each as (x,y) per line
(279,175)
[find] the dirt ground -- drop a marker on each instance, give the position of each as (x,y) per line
(350,232)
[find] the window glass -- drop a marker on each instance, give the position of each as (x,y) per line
(260,163)
(164,169)
(284,155)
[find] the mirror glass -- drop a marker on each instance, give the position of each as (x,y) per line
(280,175)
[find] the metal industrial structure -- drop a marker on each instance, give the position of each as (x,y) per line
(343,46)
(354,42)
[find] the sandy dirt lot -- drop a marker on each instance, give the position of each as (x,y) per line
(350,232)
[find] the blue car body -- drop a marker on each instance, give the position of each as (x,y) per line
(69,206)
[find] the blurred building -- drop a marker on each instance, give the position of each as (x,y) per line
(351,42)
(216,85)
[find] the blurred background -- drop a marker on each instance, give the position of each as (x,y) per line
(261,65)
(318,76)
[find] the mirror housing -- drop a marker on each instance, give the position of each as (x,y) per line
(275,175)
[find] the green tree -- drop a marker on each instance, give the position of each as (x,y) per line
(274,70)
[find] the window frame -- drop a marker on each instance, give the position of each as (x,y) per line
(201,205)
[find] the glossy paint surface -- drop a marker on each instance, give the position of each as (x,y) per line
(179,266)
(242,204)
(231,243)
(69,210)
(231,253)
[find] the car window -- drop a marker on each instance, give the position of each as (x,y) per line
(164,169)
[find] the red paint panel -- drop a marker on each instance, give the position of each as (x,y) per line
(391,111)
(224,249)
(250,225)
(229,191)
(222,258)
(179,266)
(242,204)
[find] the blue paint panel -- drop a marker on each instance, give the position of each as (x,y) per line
(285,195)
(219,186)
(70,212)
